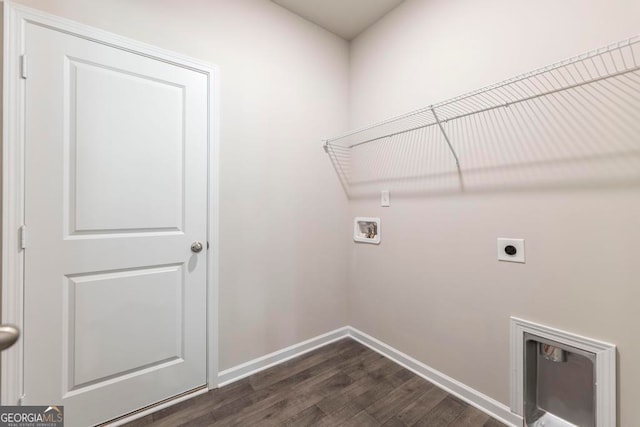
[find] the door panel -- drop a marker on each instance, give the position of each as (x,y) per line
(120,125)
(102,329)
(115,193)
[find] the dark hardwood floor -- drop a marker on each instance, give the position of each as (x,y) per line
(341,384)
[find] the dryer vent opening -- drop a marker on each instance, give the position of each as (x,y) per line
(560,379)
(559,384)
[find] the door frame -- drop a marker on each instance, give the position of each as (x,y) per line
(15,17)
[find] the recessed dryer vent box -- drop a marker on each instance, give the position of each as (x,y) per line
(366,230)
(559,384)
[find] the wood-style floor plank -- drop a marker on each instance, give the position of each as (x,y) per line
(471,417)
(333,403)
(341,384)
(362,419)
(296,384)
(309,417)
(493,423)
(293,403)
(443,413)
(421,406)
(398,399)
(304,362)
(340,416)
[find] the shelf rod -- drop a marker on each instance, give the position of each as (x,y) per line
(493,107)
(446,138)
(388,135)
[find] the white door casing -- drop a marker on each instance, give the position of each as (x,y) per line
(114,178)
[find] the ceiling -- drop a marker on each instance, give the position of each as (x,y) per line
(346,18)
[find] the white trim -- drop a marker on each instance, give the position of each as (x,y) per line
(12,197)
(605,366)
(15,18)
(136,415)
(254,366)
(213,221)
(473,397)
(483,402)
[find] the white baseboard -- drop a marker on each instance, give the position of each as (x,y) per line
(484,403)
(473,397)
(272,359)
(481,401)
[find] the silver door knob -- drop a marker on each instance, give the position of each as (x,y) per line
(196,247)
(9,334)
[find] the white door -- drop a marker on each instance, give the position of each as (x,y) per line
(116,193)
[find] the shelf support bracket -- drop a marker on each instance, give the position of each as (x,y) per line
(446,137)
(342,177)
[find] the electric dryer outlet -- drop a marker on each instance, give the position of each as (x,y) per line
(511,250)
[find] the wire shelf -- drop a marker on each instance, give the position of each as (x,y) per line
(566,100)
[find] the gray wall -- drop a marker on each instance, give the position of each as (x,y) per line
(434,289)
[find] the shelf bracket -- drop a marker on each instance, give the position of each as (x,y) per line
(446,137)
(342,177)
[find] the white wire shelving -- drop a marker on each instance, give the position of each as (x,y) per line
(551,100)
